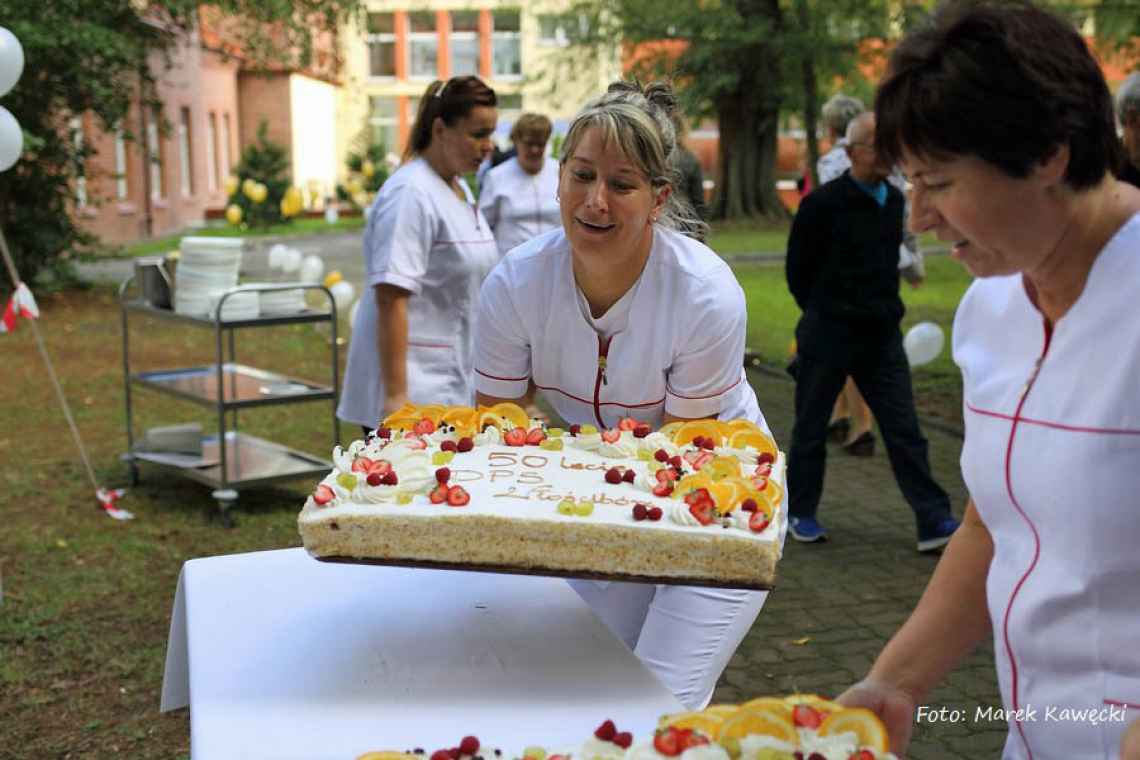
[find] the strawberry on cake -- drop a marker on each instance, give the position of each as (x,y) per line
(696,502)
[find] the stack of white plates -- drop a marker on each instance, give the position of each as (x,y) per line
(241,305)
(282,301)
(207,267)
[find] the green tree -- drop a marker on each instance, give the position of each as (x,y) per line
(98,57)
(268,163)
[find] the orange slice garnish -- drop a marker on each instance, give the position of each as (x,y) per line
(690,430)
(462,417)
(764,721)
(705,722)
(814,700)
(400,422)
(433,412)
(733,426)
(726,494)
(505,416)
(755,439)
(670,428)
(769,703)
(722,467)
(691,483)
(724,711)
(860,721)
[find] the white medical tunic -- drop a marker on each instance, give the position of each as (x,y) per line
(423,238)
(1052,461)
(518,205)
(681,350)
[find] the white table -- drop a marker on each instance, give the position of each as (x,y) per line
(281,656)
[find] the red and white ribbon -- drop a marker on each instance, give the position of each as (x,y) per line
(107,498)
(21,304)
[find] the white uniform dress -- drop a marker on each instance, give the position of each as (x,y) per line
(423,238)
(1052,461)
(675,342)
(519,205)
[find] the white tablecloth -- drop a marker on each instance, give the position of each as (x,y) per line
(281,656)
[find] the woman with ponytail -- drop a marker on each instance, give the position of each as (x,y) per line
(617,314)
(426,251)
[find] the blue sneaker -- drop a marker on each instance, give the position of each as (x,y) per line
(806,529)
(939,536)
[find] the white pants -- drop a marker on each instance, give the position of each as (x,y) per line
(684,634)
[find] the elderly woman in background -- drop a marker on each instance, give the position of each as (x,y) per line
(616,314)
(518,196)
(1002,120)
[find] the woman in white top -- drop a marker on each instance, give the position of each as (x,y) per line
(617,315)
(517,196)
(1004,125)
(426,251)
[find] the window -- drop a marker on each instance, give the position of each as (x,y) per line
(510,108)
(382,121)
(226,145)
(185,165)
(423,46)
(76,125)
(464,43)
(212,152)
(560,29)
(381,45)
(120,165)
(506,61)
(154,152)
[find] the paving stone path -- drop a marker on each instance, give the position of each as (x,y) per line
(836,603)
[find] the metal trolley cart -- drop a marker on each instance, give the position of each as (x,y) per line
(230,460)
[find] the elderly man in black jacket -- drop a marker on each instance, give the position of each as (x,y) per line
(842,269)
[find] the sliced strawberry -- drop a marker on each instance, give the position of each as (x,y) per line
(629,476)
(696,495)
(627,423)
(379,467)
(457,496)
(765,458)
(611,435)
(449,445)
(662,489)
(535,437)
(640,511)
(389,478)
(758,522)
(863,754)
(642,430)
(424,427)
(763,470)
(469,745)
(606,731)
(668,742)
(613,476)
(465,444)
(623,739)
(654,514)
(690,739)
(697,459)
(439,494)
(666,475)
(361,464)
(417,443)
(516,437)
(442,475)
(323,495)
(806,716)
(760,482)
(703,511)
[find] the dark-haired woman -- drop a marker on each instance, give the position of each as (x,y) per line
(1002,120)
(426,251)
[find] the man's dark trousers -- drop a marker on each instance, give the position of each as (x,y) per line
(871,352)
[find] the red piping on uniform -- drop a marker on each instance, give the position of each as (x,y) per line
(1125,705)
(1032,528)
(603,353)
(506,379)
(1055,425)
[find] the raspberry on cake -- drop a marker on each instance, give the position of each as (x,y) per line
(694,503)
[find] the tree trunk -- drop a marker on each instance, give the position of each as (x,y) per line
(811,93)
(748,120)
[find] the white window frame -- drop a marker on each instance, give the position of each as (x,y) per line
(154,153)
(212,151)
(464,36)
(392,121)
(515,35)
(382,37)
(122,188)
(76,126)
(185,158)
(421,38)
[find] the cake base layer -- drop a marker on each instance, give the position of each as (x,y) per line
(493,544)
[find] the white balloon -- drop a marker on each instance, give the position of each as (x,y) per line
(291,260)
(342,293)
(311,269)
(11,61)
(11,140)
(923,343)
(352,313)
(276,255)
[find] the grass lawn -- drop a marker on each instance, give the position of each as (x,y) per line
(298,227)
(772,317)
